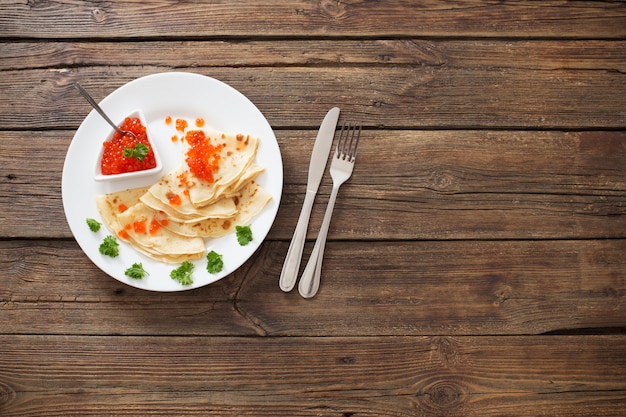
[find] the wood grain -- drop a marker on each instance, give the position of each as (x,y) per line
(475,265)
(406,185)
(534,54)
(327,18)
(452,376)
(369,288)
(405,97)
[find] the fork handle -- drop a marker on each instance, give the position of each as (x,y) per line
(310,281)
(289,274)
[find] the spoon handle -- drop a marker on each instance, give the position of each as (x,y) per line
(95,105)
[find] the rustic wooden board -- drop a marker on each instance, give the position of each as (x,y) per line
(537,54)
(404,97)
(127,19)
(476,257)
(452,376)
(403,288)
(406,185)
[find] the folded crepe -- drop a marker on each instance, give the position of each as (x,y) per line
(184,211)
(221,209)
(144,229)
(112,205)
(132,221)
(226,156)
(250,200)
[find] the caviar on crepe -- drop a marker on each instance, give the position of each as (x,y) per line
(203,158)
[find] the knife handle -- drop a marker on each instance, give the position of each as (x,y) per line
(310,280)
(289,274)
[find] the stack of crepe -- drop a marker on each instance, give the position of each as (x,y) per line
(169,220)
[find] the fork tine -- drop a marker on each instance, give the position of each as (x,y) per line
(352,150)
(347,145)
(341,143)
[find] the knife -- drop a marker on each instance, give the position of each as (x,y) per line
(319,157)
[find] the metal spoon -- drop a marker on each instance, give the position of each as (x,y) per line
(102,113)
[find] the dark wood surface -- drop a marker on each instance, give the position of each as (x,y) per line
(476,263)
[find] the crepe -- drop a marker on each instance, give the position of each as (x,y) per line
(221,209)
(123,211)
(112,205)
(183,190)
(144,228)
(250,173)
(250,200)
(185,211)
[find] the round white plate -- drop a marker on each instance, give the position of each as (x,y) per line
(182,96)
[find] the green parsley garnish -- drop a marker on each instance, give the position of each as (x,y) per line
(109,246)
(94,225)
(139,152)
(244,235)
(136,271)
(182,274)
(214,262)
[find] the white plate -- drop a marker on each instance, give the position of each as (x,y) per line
(179,95)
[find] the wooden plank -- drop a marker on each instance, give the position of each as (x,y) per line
(368,288)
(461,287)
(35,277)
(406,97)
(469,53)
(406,185)
(452,376)
(577,19)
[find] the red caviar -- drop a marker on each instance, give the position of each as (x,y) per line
(175,200)
(181,125)
(139,226)
(154,226)
(183,179)
(203,158)
(199,122)
(113,159)
(124,232)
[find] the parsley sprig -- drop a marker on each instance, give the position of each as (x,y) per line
(109,246)
(244,235)
(139,152)
(94,225)
(214,263)
(136,271)
(182,274)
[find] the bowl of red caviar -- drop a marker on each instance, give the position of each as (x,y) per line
(128,156)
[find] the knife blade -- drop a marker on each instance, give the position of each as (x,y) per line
(317,166)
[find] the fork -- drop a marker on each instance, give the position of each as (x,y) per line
(340,170)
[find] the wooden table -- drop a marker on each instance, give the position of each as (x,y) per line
(476,263)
